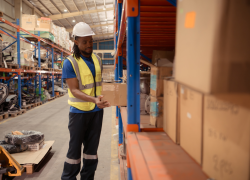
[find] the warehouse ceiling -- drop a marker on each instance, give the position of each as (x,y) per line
(98,14)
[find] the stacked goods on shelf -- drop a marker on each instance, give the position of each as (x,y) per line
(208,111)
(156,85)
(48,30)
(8,55)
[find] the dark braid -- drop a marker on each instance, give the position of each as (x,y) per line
(76,50)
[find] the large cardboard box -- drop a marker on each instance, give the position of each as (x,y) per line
(29,22)
(44,24)
(227,137)
(115,93)
(156,111)
(212,45)
(191,122)
(171,124)
(156,79)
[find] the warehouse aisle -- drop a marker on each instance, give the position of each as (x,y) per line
(52,119)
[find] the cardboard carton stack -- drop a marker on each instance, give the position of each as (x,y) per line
(207,105)
(156,85)
(57,34)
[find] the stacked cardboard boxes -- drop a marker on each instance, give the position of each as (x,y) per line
(207,106)
(156,89)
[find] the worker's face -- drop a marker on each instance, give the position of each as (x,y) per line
(85,44)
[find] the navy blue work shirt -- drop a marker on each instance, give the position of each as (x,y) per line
(68,72)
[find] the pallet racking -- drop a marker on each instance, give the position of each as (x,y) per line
(40,74)
(141,26)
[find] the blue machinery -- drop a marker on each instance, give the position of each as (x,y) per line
(38,73)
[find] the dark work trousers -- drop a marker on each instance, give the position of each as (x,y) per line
(84,128)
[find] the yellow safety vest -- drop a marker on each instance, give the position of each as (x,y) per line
(86,81)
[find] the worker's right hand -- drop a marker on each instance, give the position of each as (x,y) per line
(101,104)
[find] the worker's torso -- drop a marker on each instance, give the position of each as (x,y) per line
(89,82)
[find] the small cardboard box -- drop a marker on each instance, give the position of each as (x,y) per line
(227,136)
(156,111)
(171,124)
(36,146)
(29,22)
(162,54)
(191,122)
(115,93)
(212,45)
(156,78)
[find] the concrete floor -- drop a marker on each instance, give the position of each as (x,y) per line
(52,119)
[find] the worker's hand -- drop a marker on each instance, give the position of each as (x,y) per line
(101,104)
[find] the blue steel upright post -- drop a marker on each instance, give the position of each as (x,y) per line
(133,68)
(116,65)
(61,62)
(53,93)
(39,65)
(120,72)
(19,63)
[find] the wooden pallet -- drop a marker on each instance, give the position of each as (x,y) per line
(31,168)
(27,107)
(39,103)
(13,66)
(50,69)
(4,116)
(33,105)
(51,99)
(26,67)
(15,114)
(35,68)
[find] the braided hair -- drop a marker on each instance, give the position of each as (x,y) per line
(76,50)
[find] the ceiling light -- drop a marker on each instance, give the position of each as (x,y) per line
(73,20)
(104,8)
(106,19)
(65,10)
(107,27)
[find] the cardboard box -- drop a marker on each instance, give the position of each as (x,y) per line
(29,22)
(212,45)
(227,136)
(156,79)
(171,124)
(156,111)
(36,146)
(157,55)
(115,93)
(191,122)
(44,24)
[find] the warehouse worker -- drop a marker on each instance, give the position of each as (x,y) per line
(82,71)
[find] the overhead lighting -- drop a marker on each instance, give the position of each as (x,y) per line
(107,27)
(106,19)
(65,10)
(73,20)
(104,8)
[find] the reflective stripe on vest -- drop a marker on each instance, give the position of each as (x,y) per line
(78,76)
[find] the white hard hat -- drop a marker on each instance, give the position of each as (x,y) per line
(82,29)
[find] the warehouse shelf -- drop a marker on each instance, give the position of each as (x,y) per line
(155,156)
(142,26)
(49,46)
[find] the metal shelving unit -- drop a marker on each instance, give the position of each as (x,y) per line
(41,75)
(141,26)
